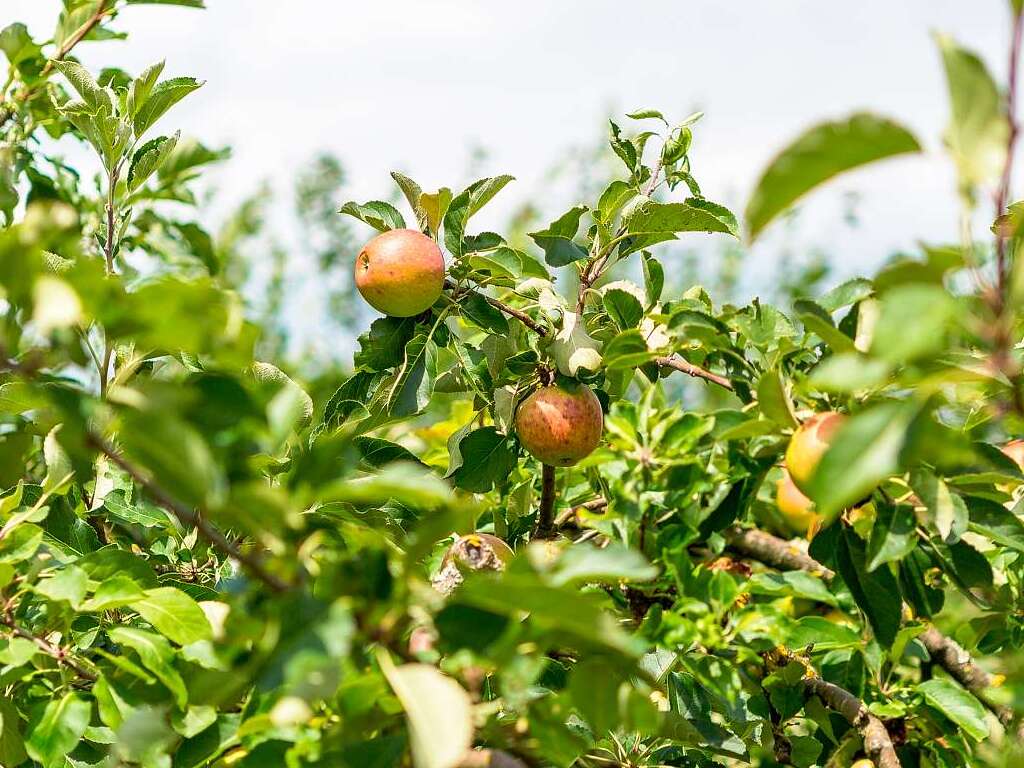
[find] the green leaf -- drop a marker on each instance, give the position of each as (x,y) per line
(488,457)
(995,522)
(877,593)
(848,372)
(85,84)
(823,634)
(616,196)
(791,584)
(115,592)
(148,158)
(69,585)
(477,310)
(819,154)
(773,398)
(552,609)
(439,712)
(894,534)
(16,651)
(622,306)
(614,563)
(139,513)
(379,215)
(692,215)
(913,322)
(163,96)
(557,241)
(58,730)
(978,129)
(413,193)
(156,655)
(377,452)
(956,704)
(864,452)
(816,320)
(627,350)
(174,614)
(176,454)
(383,346)
(12,745)
(948,509)
(435,206)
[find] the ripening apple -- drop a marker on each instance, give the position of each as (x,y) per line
(863,763)
(796,508)
(1015,450)
(400,272)
(809,444)
(560,424)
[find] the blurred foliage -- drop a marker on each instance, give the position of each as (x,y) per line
(206,560)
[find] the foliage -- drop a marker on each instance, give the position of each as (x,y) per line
(201,564)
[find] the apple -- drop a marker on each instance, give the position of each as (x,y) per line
(863,763)
(796,508)
(400,272)
(560,424)
(1015,450)
(808,445)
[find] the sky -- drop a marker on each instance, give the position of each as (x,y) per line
(414,85)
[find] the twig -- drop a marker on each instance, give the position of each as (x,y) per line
(678,364)
(546,513)
(773,551)
(189,517)
(877,743)
(54,651)
(1003,191)
(519,315)
(786,556)
(957,662)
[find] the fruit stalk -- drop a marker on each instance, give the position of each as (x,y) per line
(546,513)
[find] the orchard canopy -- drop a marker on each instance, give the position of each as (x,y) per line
(555,511)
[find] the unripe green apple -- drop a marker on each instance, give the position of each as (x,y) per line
(809,444)
(400,272)
(796,508)
(560,424)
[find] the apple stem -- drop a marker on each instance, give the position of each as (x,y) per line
(546,513)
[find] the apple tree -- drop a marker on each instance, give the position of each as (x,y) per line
(554,514)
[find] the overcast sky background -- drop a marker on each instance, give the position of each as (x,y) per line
(413,85)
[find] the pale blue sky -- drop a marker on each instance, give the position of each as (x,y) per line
(412,84)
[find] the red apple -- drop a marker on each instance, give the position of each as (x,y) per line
(400,272)
(560,424)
